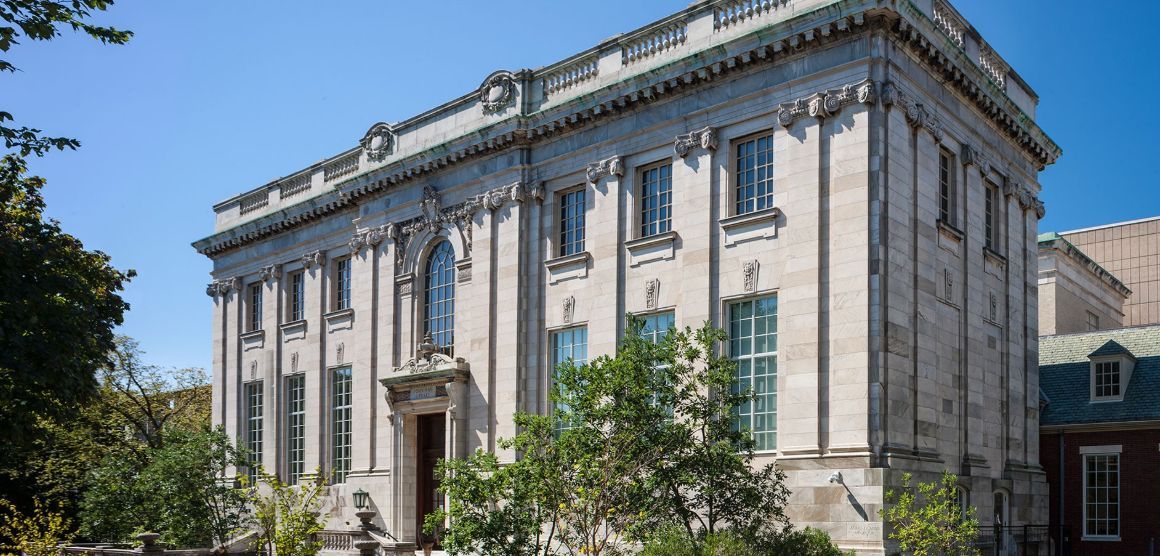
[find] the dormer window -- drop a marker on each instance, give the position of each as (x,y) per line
(1111,369)
(1107,379)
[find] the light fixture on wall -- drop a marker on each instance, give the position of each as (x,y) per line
(836,477)
(360,499)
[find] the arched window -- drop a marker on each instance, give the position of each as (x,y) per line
(963,501)
(1000,509)
(439,309)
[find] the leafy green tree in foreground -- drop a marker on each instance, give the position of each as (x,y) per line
(926,519)
(640,443)
(288,517)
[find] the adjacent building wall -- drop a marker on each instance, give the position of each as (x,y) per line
(1075,293)
(1130,251)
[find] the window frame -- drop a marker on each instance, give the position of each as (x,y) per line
(341,291)
(341,422)
(296,296)
(734,172)
(1119,385)
(1088,456)
(730,307)
(642,222)
(447,348)
(991,215)
(948,188)
(295,444)
(1093,322)
(255,429)
(553,350)
(576,247)
(254,302)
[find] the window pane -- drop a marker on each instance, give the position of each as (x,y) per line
(655,200)
(568,345)
(255,307)
(572,222)
(297,296)
(1102,494)
(254,429)
(295,427)
(753,175)
(439,309)
(342,285)
(753,344)
(340,420)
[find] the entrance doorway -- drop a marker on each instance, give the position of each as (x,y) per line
(430,443)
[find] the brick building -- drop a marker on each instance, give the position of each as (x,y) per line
(1131,251)
(1100,438)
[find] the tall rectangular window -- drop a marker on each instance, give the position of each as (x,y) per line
(991,216)
(342,284)
(656,200)
(946,187)
(568,345)
(1093,321)
(753,345)
(255,307)
(572,222)
(297,296)
(1107,379)
(1101,493)
(753,174)
(340,420)
(656,328)
(295,427)
(254,429)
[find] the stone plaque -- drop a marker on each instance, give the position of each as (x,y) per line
(423,393)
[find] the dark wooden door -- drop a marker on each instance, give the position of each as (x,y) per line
(430,451)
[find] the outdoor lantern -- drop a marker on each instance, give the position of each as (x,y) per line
(360,499)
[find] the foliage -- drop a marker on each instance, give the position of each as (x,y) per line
(58,306)
(806,542)
(177,491)
(926,519)
(287,517)
(494,509)
(35,534)
(673,541)
(42,20)
(638,441)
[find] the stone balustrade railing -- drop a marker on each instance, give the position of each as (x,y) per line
(733,12)
(343,166)
(565,78)
(254,201)
(294,185)
(949,22)
(654,42)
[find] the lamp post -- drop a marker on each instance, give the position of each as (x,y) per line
(364,515)
(360,499)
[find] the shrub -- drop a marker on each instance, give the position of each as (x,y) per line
(35,534)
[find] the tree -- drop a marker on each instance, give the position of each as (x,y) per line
(927,520)
(42,20)
(639,442)
(34,534)
(287,516)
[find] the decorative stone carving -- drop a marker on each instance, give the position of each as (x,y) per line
(1011,188)
(223,287)
(652,290)
(294,362)
(498,197)
(433,218)
(705,138)
(378,142)
(569,309)
(253,370)
(949,284)
(452,398)
(314,258)
(271,272)
(370,237)
(970,155)
(427,358)
(405,288)
(463,275)
(608,167)
(827,103)
(536,191)
(749,275)
(916,114)
(497,91)
(994,307)
(339,352)
(1039,207)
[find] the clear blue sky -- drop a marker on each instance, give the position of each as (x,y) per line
(214,98)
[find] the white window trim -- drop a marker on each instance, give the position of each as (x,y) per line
(1126,364)
(1088,451)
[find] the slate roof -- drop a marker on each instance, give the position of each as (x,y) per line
(1064,376)
(1110,349)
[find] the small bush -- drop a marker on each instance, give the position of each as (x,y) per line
(35,534)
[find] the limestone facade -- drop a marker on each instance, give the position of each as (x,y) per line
(1076,294)
(860,174)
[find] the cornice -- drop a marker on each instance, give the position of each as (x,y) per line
(679,76)
(1071,251)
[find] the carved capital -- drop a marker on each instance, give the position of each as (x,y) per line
(916,114)
(705,138)
(1039,208)
(271,272)
(827,103)
(223,287)
(314,258)
(970,156)
(610,166)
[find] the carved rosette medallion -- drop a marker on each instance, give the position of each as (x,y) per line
(378,142)
(497,91)
(608,167)
(705,138)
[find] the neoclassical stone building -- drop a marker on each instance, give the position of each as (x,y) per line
(848,187)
